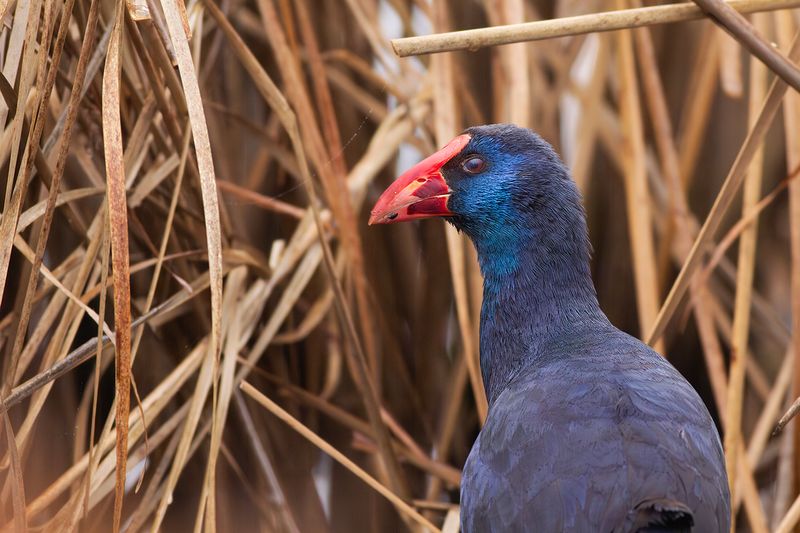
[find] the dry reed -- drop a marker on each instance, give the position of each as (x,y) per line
(184,202)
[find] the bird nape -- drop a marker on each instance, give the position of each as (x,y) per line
(588,428)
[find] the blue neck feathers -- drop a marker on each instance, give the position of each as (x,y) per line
(537,287)
(524,215)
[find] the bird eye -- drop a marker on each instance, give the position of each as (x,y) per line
(474,165)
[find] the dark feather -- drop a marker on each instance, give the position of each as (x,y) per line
(661,516)
(588,428)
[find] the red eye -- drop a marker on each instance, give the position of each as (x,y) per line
(474,165)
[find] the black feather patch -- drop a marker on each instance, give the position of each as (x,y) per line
(662,515)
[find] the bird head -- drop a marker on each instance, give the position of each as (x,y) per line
(502,185)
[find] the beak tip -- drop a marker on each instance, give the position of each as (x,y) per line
(377,217)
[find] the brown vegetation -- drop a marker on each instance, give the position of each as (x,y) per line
(184,200)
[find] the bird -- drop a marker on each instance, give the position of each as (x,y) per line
(588,428)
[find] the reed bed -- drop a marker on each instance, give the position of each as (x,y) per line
(199,331)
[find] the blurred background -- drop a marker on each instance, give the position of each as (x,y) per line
(159,163)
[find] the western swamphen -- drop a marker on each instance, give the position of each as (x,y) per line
(588,428)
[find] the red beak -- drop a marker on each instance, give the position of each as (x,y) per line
(421,191)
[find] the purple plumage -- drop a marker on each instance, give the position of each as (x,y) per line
(588,428)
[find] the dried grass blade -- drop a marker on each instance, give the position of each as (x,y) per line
(791,122)
(83,352)
(205,163)
(766,420)
(44,229)
(266,202)
(452,521)
(446,127)
(234,341)
(636,191)
(138,10)
(322,91)
(33,213)
(730,65)
(744,288)
(153,404)
(106,258)
(752,502)
(18,485)
(263,460)
(191,90)
(737,25)
(29,254)
(363,378)
(298,426)
(789,521)
(736,231)
(64,334)
(118,219)
(55,179)
(198,400)
(13,53)
(309,141)
(562,27)
(723,201)
(165,236)
(678,210)
(13,202)
(698,104)
(95,62)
